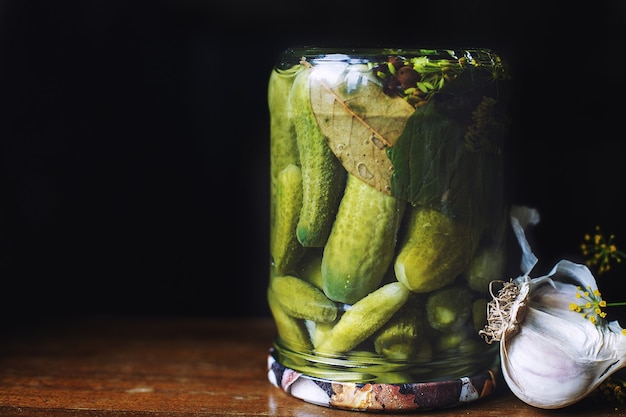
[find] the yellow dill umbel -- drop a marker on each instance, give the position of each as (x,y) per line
(600,251)
(591,306)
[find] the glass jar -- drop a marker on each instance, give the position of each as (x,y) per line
(388,222)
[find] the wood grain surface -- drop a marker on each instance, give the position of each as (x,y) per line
(134,366)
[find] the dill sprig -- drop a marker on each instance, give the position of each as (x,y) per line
(601,251)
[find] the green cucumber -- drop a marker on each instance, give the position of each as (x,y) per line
(283,145)
(487,265)
(435,250)
(403,335)
(291,330)
(302,300)
(361,244)
(364,318)
(320,331)
(310,267)
(285,248)
(323,176)
(449,308)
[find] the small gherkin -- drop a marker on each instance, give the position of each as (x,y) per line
(435,250)
(449,308)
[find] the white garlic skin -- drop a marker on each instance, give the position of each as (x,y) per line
(558,356)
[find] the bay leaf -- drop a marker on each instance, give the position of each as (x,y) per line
(360,122)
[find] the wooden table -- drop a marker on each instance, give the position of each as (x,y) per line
(134,366)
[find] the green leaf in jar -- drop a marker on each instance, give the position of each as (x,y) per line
(436,167)
(360,122)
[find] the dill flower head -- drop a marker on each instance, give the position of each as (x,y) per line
(600,251)
(591,304)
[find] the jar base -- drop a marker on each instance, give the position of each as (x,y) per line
(381,397)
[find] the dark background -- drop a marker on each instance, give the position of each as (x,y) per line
(134,139)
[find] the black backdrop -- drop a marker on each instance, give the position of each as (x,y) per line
(134,138)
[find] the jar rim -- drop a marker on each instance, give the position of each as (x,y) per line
(371,55)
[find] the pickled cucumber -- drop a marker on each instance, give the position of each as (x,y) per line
(310,267)
(449,308)
(286,249)
(403,335)
(447,340)
(323,176)
(361,244)
(435,250)
(364,318)
(283,145)
(487,265)
(302,300)
(290,329)
(319,330)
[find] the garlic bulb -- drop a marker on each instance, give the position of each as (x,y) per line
(555,344)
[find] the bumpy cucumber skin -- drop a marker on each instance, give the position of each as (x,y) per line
(291,330)
(403,335)
(435,250)
(285,248)
(323,176)
(362,241)
(303,300)
(283,145)
(364,318)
